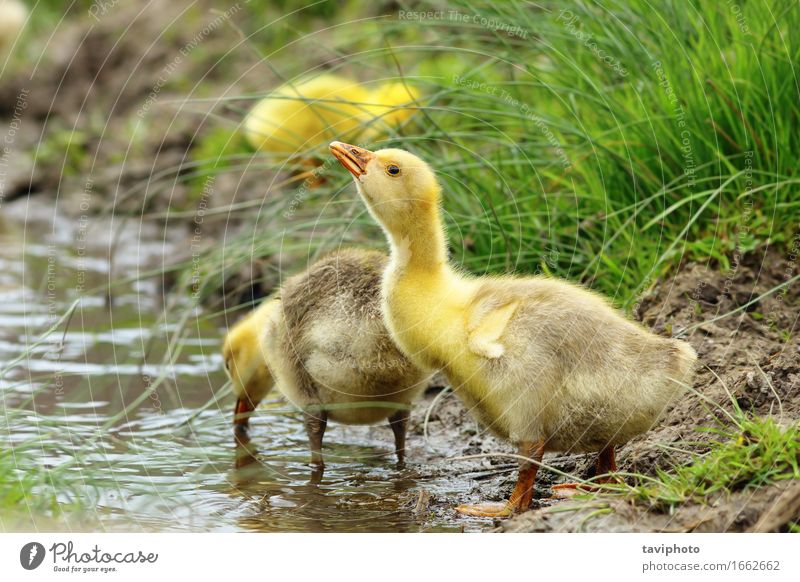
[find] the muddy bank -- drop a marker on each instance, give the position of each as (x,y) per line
(754,354)
(109,113)
(761,510)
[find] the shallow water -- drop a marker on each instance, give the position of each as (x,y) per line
(168,462)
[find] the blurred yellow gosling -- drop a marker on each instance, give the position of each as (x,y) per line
(245,363)
(300,116)
(324,345)
(544,363)
(12,19)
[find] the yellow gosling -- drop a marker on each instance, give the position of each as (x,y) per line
(13,15)
(245,363)
(302,115)
(547,364)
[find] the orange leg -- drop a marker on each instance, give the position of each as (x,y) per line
(312,176)
(606,464)
(522,495)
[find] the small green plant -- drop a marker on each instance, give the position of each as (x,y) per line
(65,148)
(751,453)
(24,486)
(214,152)
(16,485)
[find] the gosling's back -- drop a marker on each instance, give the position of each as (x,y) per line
(334,345)
(598,378)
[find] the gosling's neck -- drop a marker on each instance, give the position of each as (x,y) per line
(418,245)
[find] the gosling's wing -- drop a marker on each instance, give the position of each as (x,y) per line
(488,321)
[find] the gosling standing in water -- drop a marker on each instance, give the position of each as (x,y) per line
(323,343)
(546,364)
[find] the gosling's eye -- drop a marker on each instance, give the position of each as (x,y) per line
(392,170)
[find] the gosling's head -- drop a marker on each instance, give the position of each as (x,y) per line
(399,188)
(246,364)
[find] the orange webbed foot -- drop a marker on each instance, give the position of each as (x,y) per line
(520,499)
(487,509)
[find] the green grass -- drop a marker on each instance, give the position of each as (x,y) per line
(631,204)
(32,490)
(17,486)
(745,452)
(755,452)
(29,489)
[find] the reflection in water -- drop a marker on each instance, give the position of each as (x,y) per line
(245,452)
(345,495)
(129,415)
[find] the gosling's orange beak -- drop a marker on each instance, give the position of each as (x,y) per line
(241,413)
(354,158)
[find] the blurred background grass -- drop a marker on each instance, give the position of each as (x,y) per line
(605,143)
